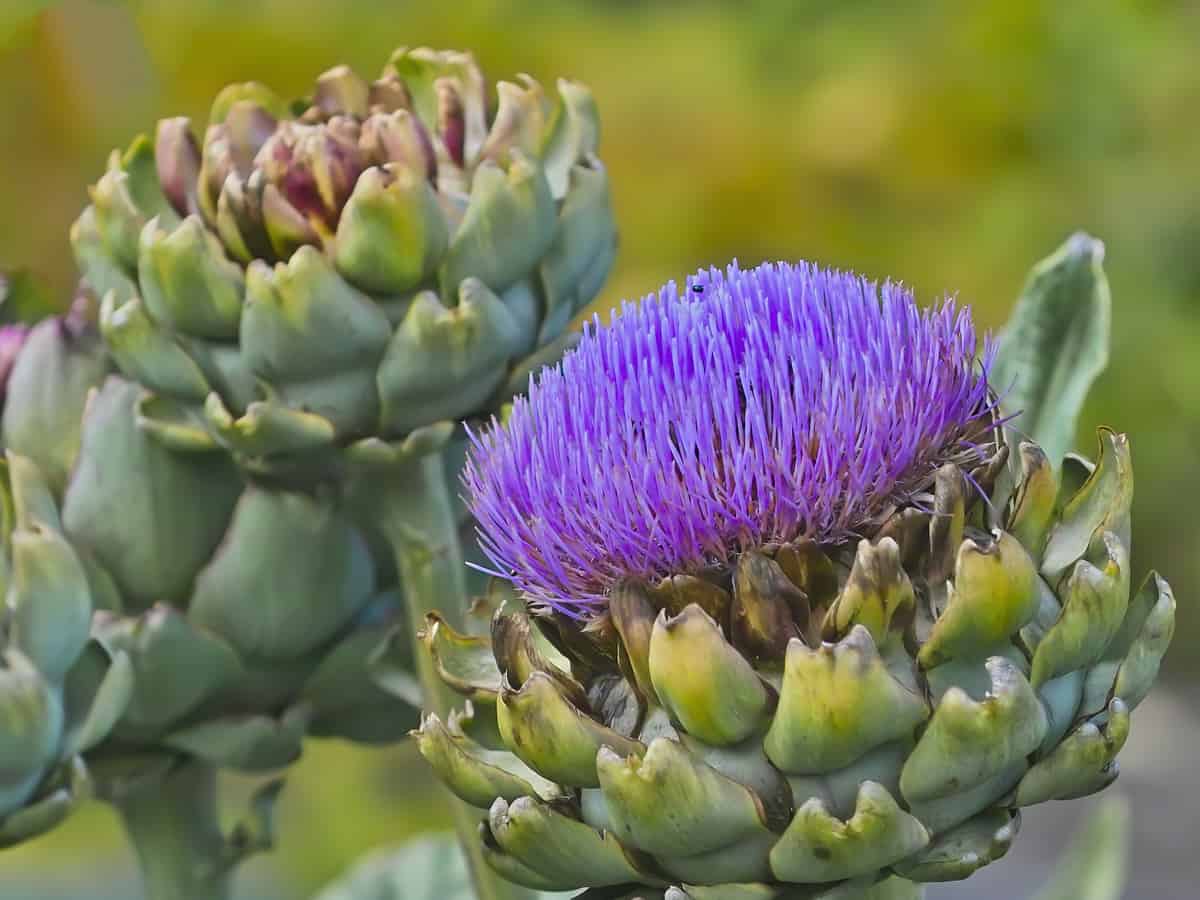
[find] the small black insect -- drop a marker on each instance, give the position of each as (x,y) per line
(697,289)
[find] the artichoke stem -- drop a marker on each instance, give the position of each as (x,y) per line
(416,512)
(174,830)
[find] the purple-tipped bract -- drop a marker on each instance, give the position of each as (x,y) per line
(756,407)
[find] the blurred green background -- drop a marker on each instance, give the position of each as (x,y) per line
(948,145)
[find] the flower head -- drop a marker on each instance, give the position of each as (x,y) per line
(374,259)
(755,407)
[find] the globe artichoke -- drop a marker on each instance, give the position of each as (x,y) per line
(793,624)
(376,260)
(61,691)
(238,618)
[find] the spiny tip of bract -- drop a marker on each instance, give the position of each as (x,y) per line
(752,407)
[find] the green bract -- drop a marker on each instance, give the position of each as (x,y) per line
(160,606)
(373,261)
(812,719)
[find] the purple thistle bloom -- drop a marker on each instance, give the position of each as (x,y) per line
(756,407)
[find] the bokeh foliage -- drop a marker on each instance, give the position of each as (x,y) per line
(949,145)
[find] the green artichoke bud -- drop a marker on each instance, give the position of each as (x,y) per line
(61,690)
(378,259)
(782,634)
(245,616)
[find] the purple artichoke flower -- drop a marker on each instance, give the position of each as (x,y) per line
(756,407)
(721,688)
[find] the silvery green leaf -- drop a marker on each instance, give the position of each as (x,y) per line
(1055,344)
(1095,866)
(431,867)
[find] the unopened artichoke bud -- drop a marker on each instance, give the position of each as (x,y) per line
(379,260)
(61,691)
(247,616)
(256,608)
(776,638)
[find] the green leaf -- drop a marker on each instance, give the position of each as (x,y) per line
(1095,866)
(431,868)
(1055,344)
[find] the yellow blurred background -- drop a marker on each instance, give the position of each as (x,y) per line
(945,144)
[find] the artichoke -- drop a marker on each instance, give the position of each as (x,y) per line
(792,624)
(61,690)
(246,615)
(371,262)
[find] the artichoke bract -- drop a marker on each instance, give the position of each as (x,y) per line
(376,260)
(246,615)
(791,622)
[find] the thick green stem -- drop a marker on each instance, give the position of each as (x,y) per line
(173,827)
(417,515)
